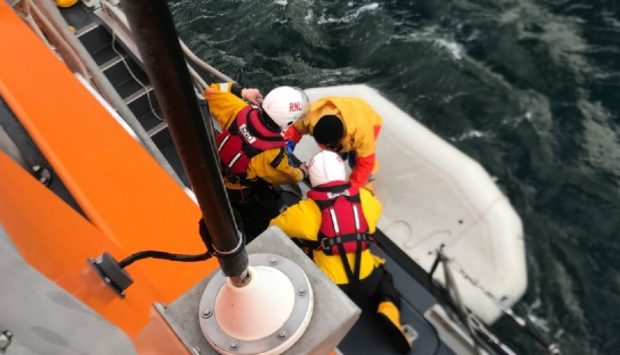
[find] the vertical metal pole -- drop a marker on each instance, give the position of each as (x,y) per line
(462,311)
(157,40)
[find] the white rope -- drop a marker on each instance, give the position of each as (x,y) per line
(148,93)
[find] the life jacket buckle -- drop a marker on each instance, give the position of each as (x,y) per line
(323,244)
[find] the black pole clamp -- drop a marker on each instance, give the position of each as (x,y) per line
(206,239)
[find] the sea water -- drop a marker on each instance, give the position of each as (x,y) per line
(529,88)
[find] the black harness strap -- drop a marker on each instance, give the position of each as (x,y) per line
(323,204)
(358,260)
(326,245)
(336,188)
(278,159)
(345,263)
(352,276)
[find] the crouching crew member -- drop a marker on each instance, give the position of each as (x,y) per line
(345,125)
(340,219)
(251,148)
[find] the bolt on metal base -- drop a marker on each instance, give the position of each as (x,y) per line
(284,336)
(5,340)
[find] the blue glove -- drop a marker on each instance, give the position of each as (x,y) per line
(290,147)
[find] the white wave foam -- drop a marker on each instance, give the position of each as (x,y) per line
(473,133)
(349,17)
(282,3)
(309,16)
(455,49)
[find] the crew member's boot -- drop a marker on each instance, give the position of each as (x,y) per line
(401,336)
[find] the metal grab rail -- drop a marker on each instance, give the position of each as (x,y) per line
(116,20)
(479,332)
(56,36)
(51,15)
(204,65)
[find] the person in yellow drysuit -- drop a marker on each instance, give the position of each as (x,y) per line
(340,219)
(251,148)
(345,125)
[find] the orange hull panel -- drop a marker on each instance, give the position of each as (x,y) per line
(130,201)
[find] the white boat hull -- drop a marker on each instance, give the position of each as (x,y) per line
(433,194)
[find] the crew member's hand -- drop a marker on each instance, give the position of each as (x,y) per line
(252,95)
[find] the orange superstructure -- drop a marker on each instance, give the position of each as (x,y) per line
(130,202)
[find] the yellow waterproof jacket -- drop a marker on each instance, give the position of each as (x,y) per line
(358,117)
(224,107)
(361,127)
(303,221)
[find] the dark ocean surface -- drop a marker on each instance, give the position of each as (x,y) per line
(529,88)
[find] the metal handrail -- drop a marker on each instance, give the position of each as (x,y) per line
(204,65)
(55,36)
(55,19)
(116,19)
(472,323)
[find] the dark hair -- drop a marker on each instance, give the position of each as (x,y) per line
(328,130)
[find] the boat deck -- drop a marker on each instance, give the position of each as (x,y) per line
(366,337)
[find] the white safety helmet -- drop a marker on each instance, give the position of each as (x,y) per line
(326,166)
(285,105)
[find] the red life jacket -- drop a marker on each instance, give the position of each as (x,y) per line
(342,220)
(343,226)
(246,137)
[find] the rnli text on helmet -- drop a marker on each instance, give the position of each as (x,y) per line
(295,106)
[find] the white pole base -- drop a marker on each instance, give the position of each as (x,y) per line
(267,316)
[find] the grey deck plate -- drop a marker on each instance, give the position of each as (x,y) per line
(367,337)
